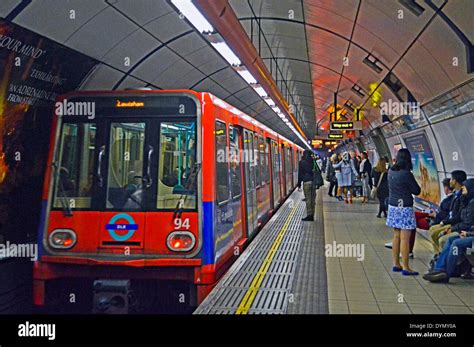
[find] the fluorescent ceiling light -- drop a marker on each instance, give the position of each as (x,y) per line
(247,76)
(269,102)
(226,53)
(187,8)
(371,61)
(260,91)
(412,6)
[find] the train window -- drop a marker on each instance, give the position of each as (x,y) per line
(125,170)
(256,160)
(73,186)
(222,165)
(235,163)
(177,157)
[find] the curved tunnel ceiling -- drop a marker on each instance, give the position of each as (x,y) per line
(418,50)
(310,38)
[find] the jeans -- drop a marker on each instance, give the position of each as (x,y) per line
(454,248)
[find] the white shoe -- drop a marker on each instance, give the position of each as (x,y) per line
(388,245)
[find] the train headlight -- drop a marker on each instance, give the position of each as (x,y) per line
(62,239)
(181,241)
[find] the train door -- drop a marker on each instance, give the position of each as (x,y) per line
(123,180)
(283,176)
(290,169)
(276,173)
(268,144)
(250,182)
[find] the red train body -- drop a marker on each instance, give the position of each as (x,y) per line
(154,186)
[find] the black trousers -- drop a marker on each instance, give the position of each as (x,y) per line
(382,206)
(332,186)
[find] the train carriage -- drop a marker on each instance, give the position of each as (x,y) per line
(153,187)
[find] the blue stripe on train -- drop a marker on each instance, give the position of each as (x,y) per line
(41,227)
(207,232)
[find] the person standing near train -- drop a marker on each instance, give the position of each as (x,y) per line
(306,177)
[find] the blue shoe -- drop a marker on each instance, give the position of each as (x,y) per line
(409,273)
(397,269)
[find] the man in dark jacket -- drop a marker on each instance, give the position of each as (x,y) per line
(457,244)
(306,176)
(439,231)
(445,204)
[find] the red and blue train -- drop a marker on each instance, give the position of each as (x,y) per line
(146,188)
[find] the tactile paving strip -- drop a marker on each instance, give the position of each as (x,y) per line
(273,292)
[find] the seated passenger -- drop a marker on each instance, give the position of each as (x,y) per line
(456,245)
(441,229)
(425,220)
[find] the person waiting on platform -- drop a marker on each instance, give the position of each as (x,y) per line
(338,174)
(356,188)
(306,177)
(401,216)
(379,173)
(438,231)
(365,174)
(348,172)
(331,175)
(457,244)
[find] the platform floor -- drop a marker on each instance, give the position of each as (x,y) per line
(285,269)
(370,286)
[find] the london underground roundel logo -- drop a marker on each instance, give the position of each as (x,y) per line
(113,226)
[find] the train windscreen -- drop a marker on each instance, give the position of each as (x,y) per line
(131,161)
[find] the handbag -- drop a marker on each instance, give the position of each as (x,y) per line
(373,193)
(317,177)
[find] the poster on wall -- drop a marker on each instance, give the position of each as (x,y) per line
(33,72)
(424,169)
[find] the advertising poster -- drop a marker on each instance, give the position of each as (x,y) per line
(33,72)
(424,169)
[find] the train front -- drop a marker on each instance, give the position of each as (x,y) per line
(121,227)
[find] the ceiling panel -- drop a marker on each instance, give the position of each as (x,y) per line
(168,26)
(6,6)
(130,50)
(56,22)
(101,33)
(178,75)
(337,15)
(458,11)
(143,11)
(102,78)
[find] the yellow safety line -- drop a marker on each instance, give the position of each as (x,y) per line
(249,297)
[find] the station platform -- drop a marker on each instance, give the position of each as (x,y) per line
(285,269)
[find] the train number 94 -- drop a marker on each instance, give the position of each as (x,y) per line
(181,223)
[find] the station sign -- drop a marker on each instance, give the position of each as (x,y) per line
(335,136)
(345,125)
